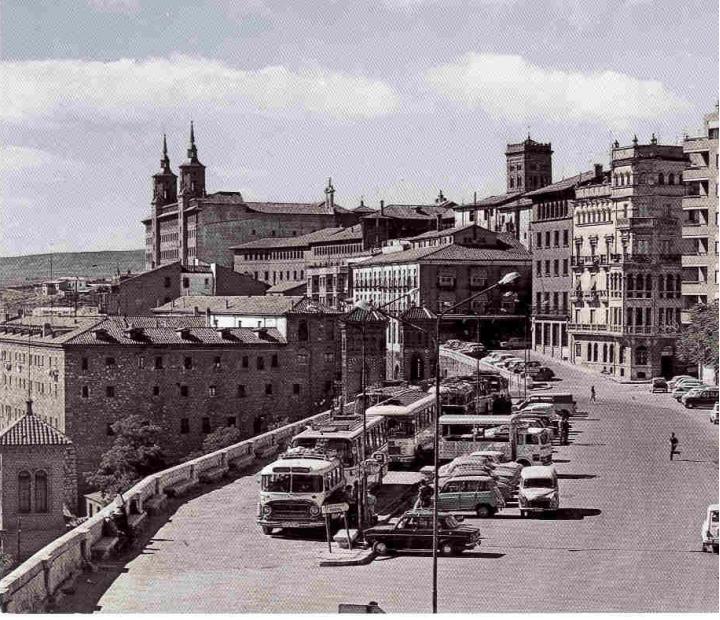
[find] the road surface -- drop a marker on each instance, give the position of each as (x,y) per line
(627,537)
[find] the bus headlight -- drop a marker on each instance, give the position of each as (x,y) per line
(314,510)
(267,509)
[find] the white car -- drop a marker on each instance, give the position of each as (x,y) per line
(709,531)
(714,414)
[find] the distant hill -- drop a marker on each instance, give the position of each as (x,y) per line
(19,270)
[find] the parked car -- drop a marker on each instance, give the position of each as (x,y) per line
(714,414)
(658,384)
(478,494)
(474,350)
(539,491)
(684,388)
(709,532)
(531,368)
(700,397)
(563,402)
(515,343)
(414,531)
(465,466)
(544,374)
(672,384)
(504,363)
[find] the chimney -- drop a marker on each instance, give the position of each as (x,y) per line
(382,207)
(183,332)
(438,222)
(207,318)
(224,332)
(28,407)
(598,171)
(47,330)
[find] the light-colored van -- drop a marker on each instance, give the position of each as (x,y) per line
(563,402)
(539,491)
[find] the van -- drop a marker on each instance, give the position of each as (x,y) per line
(563,402)
(700,397)
(478,494)
(539,491)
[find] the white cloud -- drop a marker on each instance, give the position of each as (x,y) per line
(510,88)
(127,7)
(136,90)
(13,158)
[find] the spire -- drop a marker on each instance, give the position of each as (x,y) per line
(330,195)
(653,140)
(192,149)
(635,140)
(165,161)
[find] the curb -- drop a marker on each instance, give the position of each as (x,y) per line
(368,557)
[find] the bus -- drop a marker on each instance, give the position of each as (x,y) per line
(342,436)
(464,434)
(294,488)
(457,397)
(410,417)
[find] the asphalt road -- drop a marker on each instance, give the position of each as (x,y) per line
(627,537)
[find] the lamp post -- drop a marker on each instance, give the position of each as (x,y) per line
(506,279)
(367,307)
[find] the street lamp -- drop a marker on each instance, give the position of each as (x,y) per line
(368,307)
(506,279)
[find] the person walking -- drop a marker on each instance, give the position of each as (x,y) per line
(674,441)
(425,494)
(592,393)
(564,431)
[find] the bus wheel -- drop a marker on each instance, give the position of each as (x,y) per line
(523,514)
(380,548)
(483,511)
(447,549)
(524,463)
(267,530)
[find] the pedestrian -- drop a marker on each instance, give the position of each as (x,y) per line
(425,494)
(674,441)
(592,393)
(564,431)
(370,504)
(351,501)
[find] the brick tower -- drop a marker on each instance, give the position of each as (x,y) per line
(417,354)
(529,166)
(362,332)
(164,193)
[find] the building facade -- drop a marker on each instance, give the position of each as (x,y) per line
(625,299)
(700,221)
(551,231)
(187,223)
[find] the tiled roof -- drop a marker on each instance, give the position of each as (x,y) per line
(413,313)
(442,233)
(30,430)
(559,186)
(405,256)
(295,208)
(361,315)
(497,201)
(287,285)
(60,329)
(260,305)
(447,253)
(324,235)
(412,212)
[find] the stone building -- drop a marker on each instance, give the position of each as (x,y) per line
(700,221)
(413,359)
(187,223)
(551,232)
(37,479)
(138,295)
(528,167)
(185,376)
(625,301)
(363,350)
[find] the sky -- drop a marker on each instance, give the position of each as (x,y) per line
(394,99)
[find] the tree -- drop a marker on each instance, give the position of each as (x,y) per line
(217,440)
(135,453)
(698,341)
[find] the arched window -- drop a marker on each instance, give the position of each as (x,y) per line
(41,492)
(639,282)
(671,179)
(303,331)
(24,485)
(661,286)
(605,353)
(615,180)
(641,355)
(611,354)
(648,286)
(595,352)
(661,179)
(630,284)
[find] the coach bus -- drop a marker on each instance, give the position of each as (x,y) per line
(410,417)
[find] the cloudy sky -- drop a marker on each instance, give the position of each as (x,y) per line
(395,99)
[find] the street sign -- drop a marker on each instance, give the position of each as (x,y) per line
(333,509)
(371,466)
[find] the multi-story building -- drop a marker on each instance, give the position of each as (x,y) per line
(438,277)
(187,223)
(528,167)
(551,230)
(183,375)
(625,300)
(700,221)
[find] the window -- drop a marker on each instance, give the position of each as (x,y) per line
(184,390)
(167,282)
(556,238)
(212,390)
(296,388)
(41,491)
(538,266)
(547,238)
(206,425)
(109,361)
(158,363)
(216,362)
(84,363)
(84,392)
(24,483)
(274,360)
(539,240)
(187,363)
(141,362)
(547,267)
(109,429)
(186,282)
(565,266)
(245,361)
(556,267)
(302,358)
(156,390)
(110,391)
(231,421)
(641,356)
(184,426)
(241,391)
(268,389)
(260,363)
(303,333)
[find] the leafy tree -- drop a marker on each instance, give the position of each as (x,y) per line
(220,438)
(135,453)
(698,341)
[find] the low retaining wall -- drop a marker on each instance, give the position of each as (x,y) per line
(33,585)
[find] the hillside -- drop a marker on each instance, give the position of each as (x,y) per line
(19,270)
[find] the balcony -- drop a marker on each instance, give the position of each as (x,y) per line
(692,229)
(699,173)
(576,297)
(698,288)
(550,311)
(587,328)
(698,201)
(698,259)
(696,145)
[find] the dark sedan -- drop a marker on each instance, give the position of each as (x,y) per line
(414,532)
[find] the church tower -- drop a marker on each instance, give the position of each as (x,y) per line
(529,166)
(164,193)
(192,172)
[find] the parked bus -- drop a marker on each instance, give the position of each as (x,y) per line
(410,416)
(457,396)
(518,441)
(294,488)
(342,436)
(492,391)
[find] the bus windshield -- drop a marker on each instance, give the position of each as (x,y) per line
(292,483)
(539,483)
(327,445)
(400,428)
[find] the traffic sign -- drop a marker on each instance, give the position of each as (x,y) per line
(333,509)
